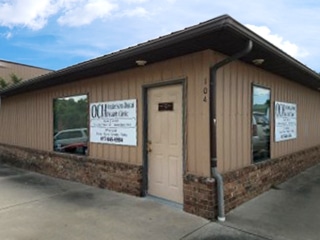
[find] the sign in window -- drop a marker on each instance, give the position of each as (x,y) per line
(114,122)
(285,117)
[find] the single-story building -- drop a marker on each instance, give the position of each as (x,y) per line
(7,68)
(207,117)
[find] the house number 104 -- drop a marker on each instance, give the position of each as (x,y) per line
(205,93)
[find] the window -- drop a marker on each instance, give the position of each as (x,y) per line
(70,124)
(260,123)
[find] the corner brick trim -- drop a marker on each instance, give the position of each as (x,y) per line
(121,177)
(199,196)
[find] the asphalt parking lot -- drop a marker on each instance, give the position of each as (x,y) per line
(34,206)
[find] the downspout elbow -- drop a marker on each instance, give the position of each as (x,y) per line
(220,194)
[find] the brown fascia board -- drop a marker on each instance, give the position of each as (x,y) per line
(85,69)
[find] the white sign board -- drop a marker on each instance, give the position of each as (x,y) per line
(285,121)
(114,122)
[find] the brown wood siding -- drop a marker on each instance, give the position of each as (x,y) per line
(234,86)
(24,126)
(27,120)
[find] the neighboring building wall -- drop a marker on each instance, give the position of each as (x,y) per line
(20,70)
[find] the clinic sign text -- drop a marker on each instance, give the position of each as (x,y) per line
(285,121)
(114,122)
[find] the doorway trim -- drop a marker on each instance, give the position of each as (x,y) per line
(145,89)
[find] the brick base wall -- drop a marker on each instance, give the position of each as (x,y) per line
(244,184)
(115,176)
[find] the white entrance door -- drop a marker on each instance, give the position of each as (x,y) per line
(165,138)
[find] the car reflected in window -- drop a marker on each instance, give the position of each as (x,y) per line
(71,141)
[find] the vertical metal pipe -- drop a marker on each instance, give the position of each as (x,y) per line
(213,135)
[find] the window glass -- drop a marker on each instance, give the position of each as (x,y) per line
(70,124)
(260,123)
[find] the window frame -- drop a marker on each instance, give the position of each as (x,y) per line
(268,128)
(85,147)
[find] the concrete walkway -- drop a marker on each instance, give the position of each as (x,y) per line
(34,206)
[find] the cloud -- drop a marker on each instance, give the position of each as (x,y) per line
(135,1)
(80,13)
(34,14)
(285,45)
(30,13)
(8,35)
(136,12)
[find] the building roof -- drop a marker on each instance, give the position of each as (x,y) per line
(222,34)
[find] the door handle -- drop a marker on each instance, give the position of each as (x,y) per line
(149,146)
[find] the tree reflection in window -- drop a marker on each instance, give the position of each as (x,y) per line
(70,124)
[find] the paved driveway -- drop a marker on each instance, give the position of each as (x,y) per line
(34,206)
